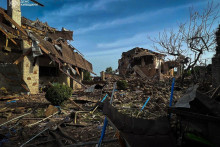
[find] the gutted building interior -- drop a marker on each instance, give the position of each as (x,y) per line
(144,63)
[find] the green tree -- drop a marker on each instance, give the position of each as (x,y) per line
(109,70)
(122,85)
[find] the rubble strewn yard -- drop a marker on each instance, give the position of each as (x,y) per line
(88,125)
(48,96)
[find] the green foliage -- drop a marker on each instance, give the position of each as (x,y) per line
(86,76)
(196,69)
(189,72)
(109,70)
(122,85)
(58,93)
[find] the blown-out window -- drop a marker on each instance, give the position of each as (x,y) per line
(48,71)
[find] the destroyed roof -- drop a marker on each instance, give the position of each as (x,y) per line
(137,52)
(6,28)
(144,53)
(68,55)
(67,35)
(47,37)
(36,24)
(46,29)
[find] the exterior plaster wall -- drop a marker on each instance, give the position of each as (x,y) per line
(30,73)
(14,10)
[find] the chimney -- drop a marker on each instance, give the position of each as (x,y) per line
(14,10)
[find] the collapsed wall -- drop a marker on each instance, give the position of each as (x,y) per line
(144,63)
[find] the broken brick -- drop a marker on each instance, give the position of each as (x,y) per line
(34,84)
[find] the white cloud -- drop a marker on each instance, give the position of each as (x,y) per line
(101,4)
(122,45)
(105,52)
(79,8)
(132,19)
(137,39)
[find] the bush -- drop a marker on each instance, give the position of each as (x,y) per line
(58,93)
(122,85)
(109,70)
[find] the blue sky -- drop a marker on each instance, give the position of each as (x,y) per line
(103,29)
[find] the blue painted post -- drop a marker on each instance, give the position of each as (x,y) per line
(106,120)
(103,131)
(14,101)
(145,103)
(171,95)
(104,98)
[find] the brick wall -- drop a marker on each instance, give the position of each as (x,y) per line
(30,73)
(14,10)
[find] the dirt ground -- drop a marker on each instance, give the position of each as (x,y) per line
(62,130)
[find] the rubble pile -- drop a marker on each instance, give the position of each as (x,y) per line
(130,101)
(35,114)
(78,118)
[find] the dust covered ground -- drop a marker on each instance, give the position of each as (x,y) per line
(77,123)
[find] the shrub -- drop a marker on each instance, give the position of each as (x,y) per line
(58,93)
(109,70)
(122,85)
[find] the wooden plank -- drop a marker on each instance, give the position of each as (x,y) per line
(215,93)
(139,71)
(8,35)
(22,56)
(12,21)
(32,28)
(72,78)
(8,97)
(25,87)
(77,70)
(44,50)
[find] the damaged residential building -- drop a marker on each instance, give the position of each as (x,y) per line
(33,54)
(145,63)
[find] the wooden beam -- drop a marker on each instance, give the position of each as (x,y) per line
(8,35)
(22,56)
(44,50)
(37,3)
(77,70)
(12,21)
(33,29)
(72,77)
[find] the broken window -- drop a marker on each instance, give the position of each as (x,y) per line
(48,71)
(148,60)
(137,61)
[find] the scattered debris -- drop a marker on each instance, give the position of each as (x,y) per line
(136,105)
